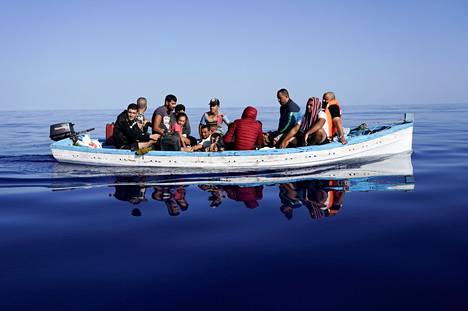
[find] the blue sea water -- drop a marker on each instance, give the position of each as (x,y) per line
(81,238)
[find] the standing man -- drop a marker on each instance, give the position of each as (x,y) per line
(289,116)
(163,116)
(333,112)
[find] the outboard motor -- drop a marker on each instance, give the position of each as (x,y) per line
(64,130)
(60,131)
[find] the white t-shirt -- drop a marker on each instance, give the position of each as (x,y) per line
(205,142)
(323,115)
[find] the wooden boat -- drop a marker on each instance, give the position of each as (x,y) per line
(388,140)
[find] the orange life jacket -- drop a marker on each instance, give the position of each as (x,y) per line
(335,201)
(331,126)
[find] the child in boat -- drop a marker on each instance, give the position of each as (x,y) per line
(209,141)
(177,127)
(205,140)
(186,130)
(216,143)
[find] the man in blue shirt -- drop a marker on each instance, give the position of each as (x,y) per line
(290,115)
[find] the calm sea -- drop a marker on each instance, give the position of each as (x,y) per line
(81,238)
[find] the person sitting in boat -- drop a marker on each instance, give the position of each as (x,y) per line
(142,105)
(312,129)
(128,133)
(213,118)
(216,142)
(186,131)
(289,117)
(333,113)
(245,133)
(177,128)
(205,139)
(163,116)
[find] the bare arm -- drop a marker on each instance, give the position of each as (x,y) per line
(199,130)
(202,122)
(290,136)
(182,141)
(339,129)
(318,125)
(157,124)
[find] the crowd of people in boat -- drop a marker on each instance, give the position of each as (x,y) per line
(169,127)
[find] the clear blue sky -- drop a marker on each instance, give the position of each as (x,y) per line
(98,54)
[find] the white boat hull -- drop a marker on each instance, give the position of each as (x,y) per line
(396,140)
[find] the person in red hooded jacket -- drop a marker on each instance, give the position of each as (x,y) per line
(245,133)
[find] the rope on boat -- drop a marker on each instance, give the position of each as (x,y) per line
(364,130)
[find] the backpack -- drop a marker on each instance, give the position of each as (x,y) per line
(170,142)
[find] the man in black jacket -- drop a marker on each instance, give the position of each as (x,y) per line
(129,134)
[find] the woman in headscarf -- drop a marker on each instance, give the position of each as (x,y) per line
(310,130)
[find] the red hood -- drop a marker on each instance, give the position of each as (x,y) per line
(249,113)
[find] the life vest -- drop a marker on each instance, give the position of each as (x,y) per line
(334,199)
(330,195)
(331,126)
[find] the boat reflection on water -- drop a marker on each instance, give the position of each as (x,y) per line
(321,193)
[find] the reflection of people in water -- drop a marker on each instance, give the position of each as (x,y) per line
(334,197)
(321,198)
(172,197)
(216,197)
(248,195)
(289,196)
(131,192)
(179,197)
